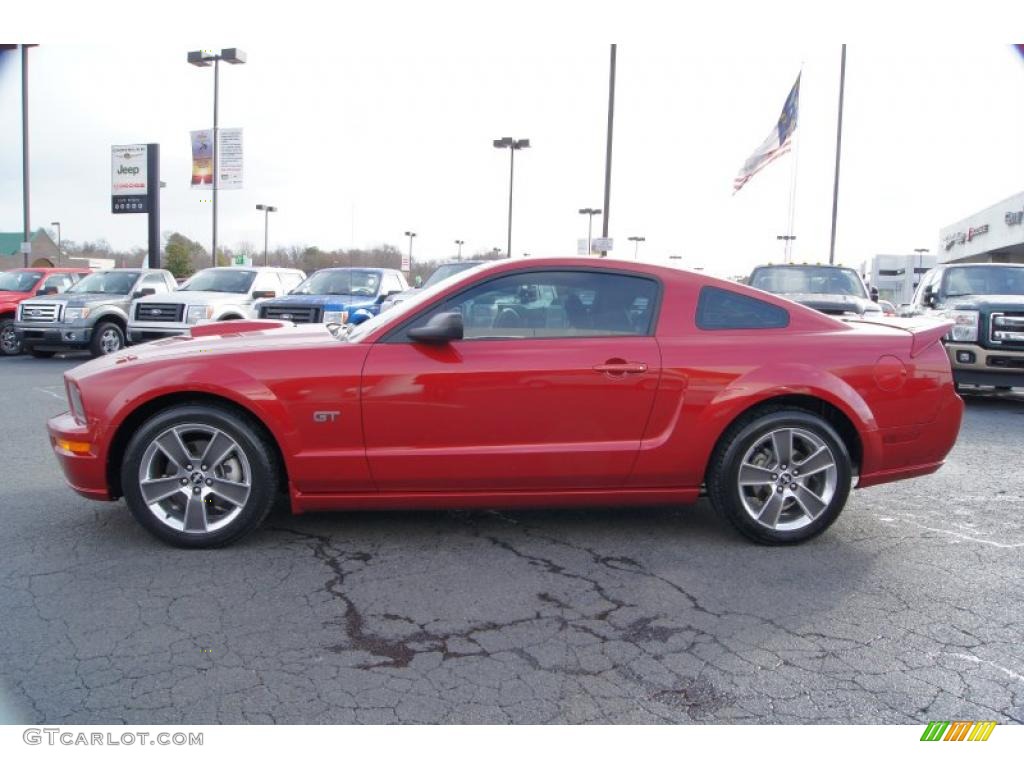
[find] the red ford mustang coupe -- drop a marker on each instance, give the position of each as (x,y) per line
(526,383)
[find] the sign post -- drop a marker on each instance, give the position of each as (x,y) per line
(135,188)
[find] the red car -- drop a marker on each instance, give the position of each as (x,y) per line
(24,283)
(533,383)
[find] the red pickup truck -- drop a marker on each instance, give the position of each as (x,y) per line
(19,284)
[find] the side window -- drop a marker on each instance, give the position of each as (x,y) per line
(289,281)
(719,310)
(267,281)
(391,283)
(550,304)
(58,283)
(155,281)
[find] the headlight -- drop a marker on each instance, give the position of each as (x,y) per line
(195,314)
(75,403)
(335,317)
(966,324)
(76,313)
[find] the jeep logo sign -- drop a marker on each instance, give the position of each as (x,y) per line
(128,178)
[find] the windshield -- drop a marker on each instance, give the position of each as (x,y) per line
(414,304)
(19,281)
(106,282)
(984,281)
(347,282)
(447,270)
(220,281)
(821,280)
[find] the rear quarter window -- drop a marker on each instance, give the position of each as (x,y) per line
(720,310)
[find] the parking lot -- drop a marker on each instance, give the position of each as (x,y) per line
(907,610)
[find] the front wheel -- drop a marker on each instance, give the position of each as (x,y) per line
(780,477)
(9,344)
(199,476)
(107,338)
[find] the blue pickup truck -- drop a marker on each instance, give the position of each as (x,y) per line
(336,295)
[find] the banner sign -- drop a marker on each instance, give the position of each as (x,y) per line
(602,244)
(229,159)
(128,179)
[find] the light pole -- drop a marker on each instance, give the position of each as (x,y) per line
(267,210)
(788,239)
(410,235)
(636,249)
(203,59)
(57,225)
(460,243)
(513,145)
(590,212)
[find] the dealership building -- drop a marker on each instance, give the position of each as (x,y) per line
(995,234)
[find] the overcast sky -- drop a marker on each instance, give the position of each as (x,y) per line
(360,137)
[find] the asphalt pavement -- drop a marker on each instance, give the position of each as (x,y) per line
(907,610)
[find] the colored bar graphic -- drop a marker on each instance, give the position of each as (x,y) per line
(958,730)
(982,730)
(934,730)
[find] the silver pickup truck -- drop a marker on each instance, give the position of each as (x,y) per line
(218,293)
(92,314)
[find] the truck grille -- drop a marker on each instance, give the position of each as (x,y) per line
(294,314)
(159,313)
(39,313)
(1006,329)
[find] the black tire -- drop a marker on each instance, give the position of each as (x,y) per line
(723,480)
(40,353)
(105,336)
(258,464)
(9,344)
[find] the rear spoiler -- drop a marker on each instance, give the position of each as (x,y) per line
(924,330)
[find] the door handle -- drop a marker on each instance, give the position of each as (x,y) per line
(617,368)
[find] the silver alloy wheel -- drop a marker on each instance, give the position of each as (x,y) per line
(110,340)
(787,479)
(9,341)
(194,478)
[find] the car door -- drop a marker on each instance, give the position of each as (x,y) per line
(550,388)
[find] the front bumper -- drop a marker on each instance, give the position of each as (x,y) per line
(53,336)
(974,364)
(85,472)
(140,333)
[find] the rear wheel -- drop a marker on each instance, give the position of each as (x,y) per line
(199,476)
(107,338)
(9,344)
(780,476)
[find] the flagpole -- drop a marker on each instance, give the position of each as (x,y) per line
(791,219)
(839,145)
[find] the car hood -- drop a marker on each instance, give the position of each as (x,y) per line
(834,303)
(223,344)
(1010,303)
(319,300)
(84,299)
(10,298)
(198,297)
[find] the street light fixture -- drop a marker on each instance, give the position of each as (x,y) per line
(203,59)
(636,249)
(57,225)
(410,235)
(788,240)
(590,212)
(460,243)
(512,145)
(267,210)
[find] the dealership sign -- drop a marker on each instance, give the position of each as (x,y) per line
(959,238)
(229,158)
(128,179)
(1014,218)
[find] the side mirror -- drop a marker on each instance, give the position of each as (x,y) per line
(440,329)
(143,292)
(874,294)
(264,294)
(928,297)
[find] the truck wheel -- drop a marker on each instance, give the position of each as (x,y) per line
(780,476)
(107,338)
(199,476)
(9,344)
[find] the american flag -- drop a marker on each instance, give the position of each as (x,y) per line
(778,143)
